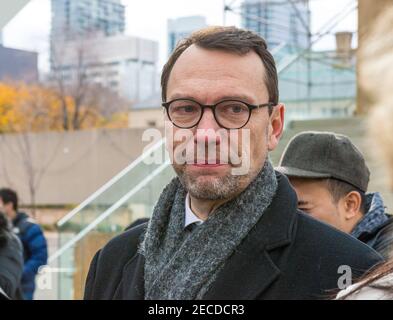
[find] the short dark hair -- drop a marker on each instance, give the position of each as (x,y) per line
(229,39)
(9,196)
(339,189)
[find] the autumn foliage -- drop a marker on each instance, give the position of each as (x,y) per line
(36,108)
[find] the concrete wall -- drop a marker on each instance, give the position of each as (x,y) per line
(142,118)
(72,165)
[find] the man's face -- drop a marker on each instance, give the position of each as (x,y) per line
(208,77)
(5,208)
(315,199)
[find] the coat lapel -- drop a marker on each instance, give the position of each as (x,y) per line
(132,284)
(244,277)
(250,270)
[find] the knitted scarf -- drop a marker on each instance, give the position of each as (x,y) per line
(182,266)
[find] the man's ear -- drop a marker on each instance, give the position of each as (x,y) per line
(352,203)
(276,126)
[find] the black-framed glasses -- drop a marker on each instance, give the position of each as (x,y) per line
(229,114)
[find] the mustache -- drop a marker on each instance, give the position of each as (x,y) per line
(217,155)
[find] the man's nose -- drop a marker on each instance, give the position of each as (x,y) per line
(207,129)
(208,121)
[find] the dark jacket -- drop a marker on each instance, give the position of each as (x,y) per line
(376,227)
(288,255)
(34,251)
(11,260)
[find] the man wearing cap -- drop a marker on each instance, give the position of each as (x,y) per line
(331,178)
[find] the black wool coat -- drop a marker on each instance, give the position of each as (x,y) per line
(287,255)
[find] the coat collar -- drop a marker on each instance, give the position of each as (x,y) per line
(241,276)
(251,259)
(19,217)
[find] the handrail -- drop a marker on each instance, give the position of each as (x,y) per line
(108,211)
(112,181)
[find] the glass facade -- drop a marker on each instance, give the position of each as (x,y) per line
(278,21)
(316,85)
(79,17)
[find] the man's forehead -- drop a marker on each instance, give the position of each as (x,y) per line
(195,59)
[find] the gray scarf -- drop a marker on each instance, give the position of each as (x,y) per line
(182,266)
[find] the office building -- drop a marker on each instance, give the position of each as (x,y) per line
(278,21)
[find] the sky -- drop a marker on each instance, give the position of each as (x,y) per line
(30,29)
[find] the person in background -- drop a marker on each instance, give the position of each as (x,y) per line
(377,79)
(11,260)
(30,234)
(331,179)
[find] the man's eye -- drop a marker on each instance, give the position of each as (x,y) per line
(235,108)
(185,109)
(189,108)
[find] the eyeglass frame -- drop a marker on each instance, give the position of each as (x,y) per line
(251,107)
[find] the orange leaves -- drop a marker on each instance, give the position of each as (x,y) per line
(35,108)
(8,113)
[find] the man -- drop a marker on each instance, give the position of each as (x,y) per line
(215,233)
(34,244)
(11,260)
(331,178)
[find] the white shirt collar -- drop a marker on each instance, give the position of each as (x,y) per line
(190,217)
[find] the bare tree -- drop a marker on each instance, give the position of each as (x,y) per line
(18,144)
(79,95)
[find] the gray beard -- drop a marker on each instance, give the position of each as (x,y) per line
(219,188)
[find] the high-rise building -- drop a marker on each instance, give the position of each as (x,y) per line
(73,18)
(76,19)
(124,64)
(18,65)
(89,35)
(278,22)
(180,28)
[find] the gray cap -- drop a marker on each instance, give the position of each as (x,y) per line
(314,154)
